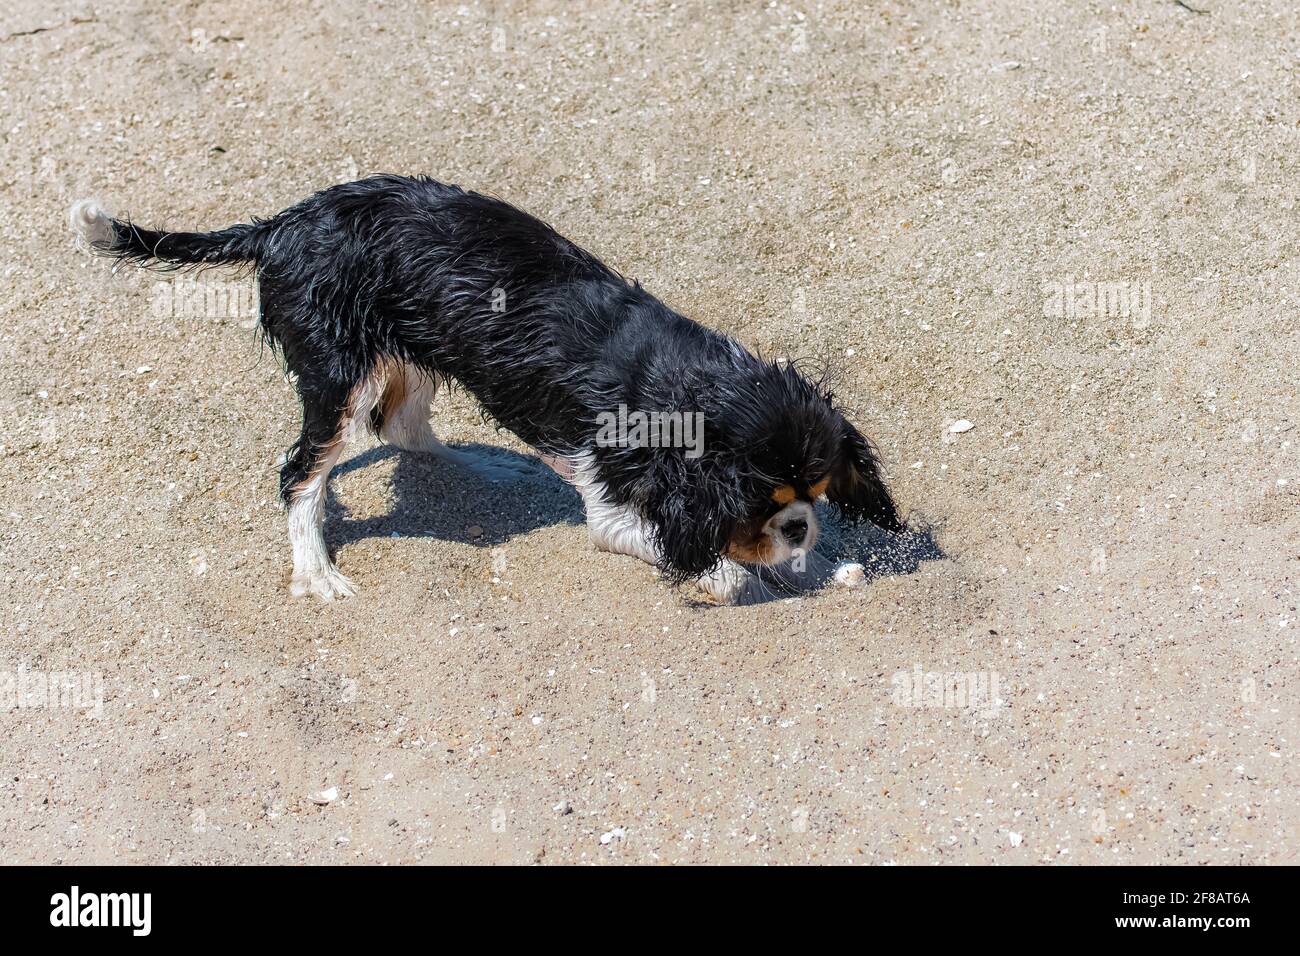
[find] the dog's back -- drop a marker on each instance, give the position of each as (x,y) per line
(458,284)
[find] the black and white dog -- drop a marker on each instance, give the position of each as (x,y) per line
(377,291)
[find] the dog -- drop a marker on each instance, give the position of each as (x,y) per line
(379,291)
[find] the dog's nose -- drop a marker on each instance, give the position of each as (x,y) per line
(794,531)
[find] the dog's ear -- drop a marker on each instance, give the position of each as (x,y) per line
(690,506)
(856,486)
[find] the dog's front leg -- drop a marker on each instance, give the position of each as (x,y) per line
(733,583)
(620,530)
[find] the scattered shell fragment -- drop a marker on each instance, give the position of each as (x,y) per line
(618,833)
(850,575)
(961,425)
(325,796)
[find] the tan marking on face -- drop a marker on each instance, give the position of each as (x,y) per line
(751,545)
(783,494)
(819,489)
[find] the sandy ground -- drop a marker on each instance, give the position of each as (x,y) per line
(921,194)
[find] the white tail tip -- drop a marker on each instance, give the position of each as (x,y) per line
(91,222)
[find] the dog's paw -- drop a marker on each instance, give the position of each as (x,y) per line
(327,585)
(730,583)
(850,574)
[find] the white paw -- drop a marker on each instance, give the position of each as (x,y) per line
(729,583)
(326,585)
(850,575)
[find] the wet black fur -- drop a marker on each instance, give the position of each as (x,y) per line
(544,336)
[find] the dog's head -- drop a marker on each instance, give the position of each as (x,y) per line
(773,442)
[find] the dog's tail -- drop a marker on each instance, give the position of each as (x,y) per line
(127,241)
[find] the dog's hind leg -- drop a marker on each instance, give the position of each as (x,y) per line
(330,417)
(402,416)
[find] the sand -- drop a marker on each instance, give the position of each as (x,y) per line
(1072,226)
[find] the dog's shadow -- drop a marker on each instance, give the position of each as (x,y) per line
(439,499)
(881,553)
